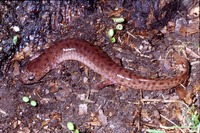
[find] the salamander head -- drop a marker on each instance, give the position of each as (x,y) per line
(27,77)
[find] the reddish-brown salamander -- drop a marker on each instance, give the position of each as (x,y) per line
(93,57)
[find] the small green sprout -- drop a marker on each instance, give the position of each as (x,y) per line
(33,103)
(113,40)
(118,20)
(76,131)
(193,123)
(119,27)
(111,32)
(25,99)
(193,44)
(15,39)
(70,126)
(154,131)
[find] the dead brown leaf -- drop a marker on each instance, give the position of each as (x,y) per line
(181,92)
(16,70)
(192,53)
(196,88)
(188,98)
(116,12)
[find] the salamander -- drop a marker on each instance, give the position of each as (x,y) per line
(97,60)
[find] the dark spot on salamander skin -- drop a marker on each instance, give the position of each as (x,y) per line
(94,58)
(148,84)
(168,83)
(110,64)
(130,75)
(176,81)
(38,59)
(88,51)
(102,55)
(136,76)
(120,69)
(153,83)
(126,71)
(76,44)
(139,82)
(92,53)
(66,45)
(161,83)
(96,49)
(121,80)
(47,59)
(108,69)
(84,48)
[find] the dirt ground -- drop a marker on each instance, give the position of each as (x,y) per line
(151,29)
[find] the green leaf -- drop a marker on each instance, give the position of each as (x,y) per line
(33,103)
(113,40)
(15,39)
(111,32)
(119,27)
(25,99)
(70,126)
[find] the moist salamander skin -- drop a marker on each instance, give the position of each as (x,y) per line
(96,59)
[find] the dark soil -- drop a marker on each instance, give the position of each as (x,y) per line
(62,94)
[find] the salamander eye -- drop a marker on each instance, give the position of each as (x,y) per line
(31,77)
